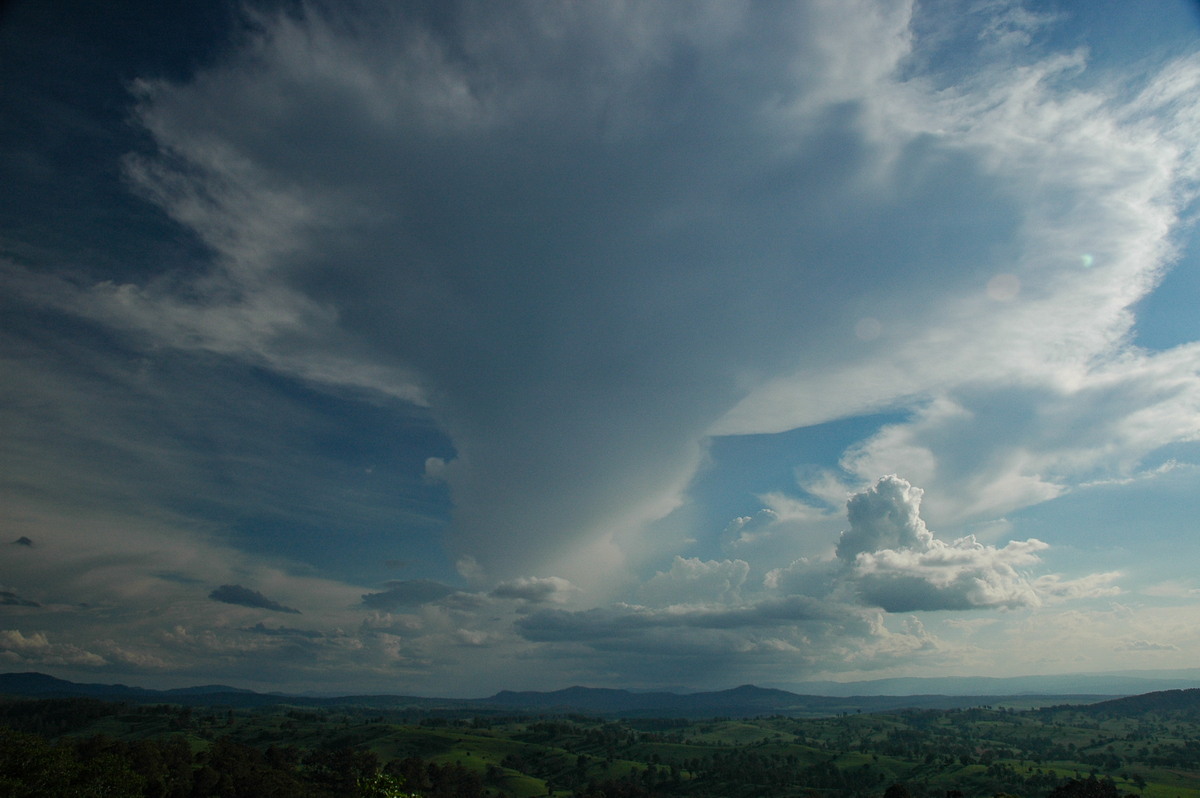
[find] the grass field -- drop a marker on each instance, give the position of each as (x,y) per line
(980,751)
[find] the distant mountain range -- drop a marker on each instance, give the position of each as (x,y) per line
(38,684)
(1115,683)
(744,701)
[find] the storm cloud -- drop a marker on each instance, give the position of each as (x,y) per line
(245,597)
(12,599)
(407,593)
(584,276)
(535,590)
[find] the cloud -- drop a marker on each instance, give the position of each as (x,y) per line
(11,599)
(407,593)
(245,597)
(897,564)
(580,190)
(749,528)
(692,581)
(283,631)
(847,604)
(885,516)
(952,576)
(888,558)
(1054,586)
(1013,25)
(535,590)
(37,649)
(992,449)
(634,622)
(770,639)
(1146,645)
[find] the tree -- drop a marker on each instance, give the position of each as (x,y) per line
(1091,787)
(382,785)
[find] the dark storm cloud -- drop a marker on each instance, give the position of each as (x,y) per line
(588,237)
(576,274)
(407,593)
(245,597)
(11,599)
(534,590)
(283,631)
(601,624)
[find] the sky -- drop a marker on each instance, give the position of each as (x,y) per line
(440,348)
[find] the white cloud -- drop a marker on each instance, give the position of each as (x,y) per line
(1054,586)
(786,529)
(691,581)
(846,605)
(960,575)
(35,649)
(991,449)
(746,528)
(885,516)
(894,562)
(1101,182)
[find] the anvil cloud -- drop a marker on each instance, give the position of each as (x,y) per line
(564,251)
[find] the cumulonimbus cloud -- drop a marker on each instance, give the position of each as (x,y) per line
(589,236)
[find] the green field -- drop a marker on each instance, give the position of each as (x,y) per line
(983,751)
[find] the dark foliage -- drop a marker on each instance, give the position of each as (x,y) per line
(49,747)
(32,767)
(1090,787)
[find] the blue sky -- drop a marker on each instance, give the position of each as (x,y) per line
(452,347)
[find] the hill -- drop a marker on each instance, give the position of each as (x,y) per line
(976,751)
(1160,702)
(743,702)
